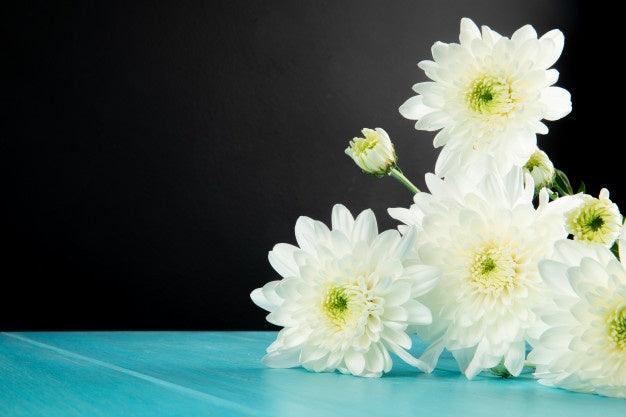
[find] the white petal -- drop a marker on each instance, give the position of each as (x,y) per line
(430,357)
(432,121)
(441,138)
(395,336)
(557,38)
(557,103)
(417,313)
(355,362)
(374,360)
(365,227)
(399,294)
(282,358)
(555,275)
(424,278)
(414,108)
(282,260)
(514,359)
(469,31)
(524,33)
(407,357)
(266,297)
(342,219)
(305,233)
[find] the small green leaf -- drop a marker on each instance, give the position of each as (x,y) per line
(615,250)
(582,188)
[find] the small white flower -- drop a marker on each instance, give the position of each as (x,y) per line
(347,297)
(595,220)
(487,238)
(584,346)
(541,169)
(488,95)
(373,153)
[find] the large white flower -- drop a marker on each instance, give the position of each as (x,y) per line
(347,297)
(488,95)
(584,347)
(595,220)
(487,238)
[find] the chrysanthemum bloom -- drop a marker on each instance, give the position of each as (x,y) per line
(347,296)
(584,347)
(595,220)
(488,95)
(374,152)
(487,238)
(541,169)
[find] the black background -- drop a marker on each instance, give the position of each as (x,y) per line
(154,152)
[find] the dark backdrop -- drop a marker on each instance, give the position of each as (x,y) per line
(154,152)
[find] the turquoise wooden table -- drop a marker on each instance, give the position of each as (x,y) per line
(125,374)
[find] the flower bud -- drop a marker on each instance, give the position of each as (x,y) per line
(541,169)
(374,153)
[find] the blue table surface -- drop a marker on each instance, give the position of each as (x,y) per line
(170,374)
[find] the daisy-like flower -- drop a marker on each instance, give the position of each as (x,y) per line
(584,346)
(541,169)
(374,152)
(488,95)
(595,220)
(487,238)
(347,296)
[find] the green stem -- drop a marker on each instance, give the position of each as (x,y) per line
(397,174)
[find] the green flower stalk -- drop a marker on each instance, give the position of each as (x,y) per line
(374,153)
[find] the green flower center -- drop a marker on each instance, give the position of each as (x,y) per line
(493,268)
(336,304)
(534,161)
(596,223)
(617,328)
(590,222)
(490,95)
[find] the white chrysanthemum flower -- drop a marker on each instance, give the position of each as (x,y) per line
(374,152)
(347,297)
(584,347)
(595,220)
(541,169)
(487,238)
(488,95)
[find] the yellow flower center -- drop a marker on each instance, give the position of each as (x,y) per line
(361,145)
(493,268)
(617,328)
(336,304)
(591,222)
(489,95)
(534,161)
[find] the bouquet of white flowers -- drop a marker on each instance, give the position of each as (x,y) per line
(499,253)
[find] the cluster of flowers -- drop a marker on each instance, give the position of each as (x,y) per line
(500,253)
